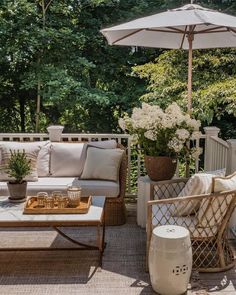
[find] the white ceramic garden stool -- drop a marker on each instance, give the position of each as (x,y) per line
(170,259)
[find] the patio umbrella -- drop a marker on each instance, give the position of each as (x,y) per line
(189,27)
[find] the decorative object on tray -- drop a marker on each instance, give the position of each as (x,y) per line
(164,134)
(32,206)
(17,166)
(74,195)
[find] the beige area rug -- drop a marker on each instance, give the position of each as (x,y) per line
(77,272)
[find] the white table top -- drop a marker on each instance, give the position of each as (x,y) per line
(13,213)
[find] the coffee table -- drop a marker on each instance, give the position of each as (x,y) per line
(11,215)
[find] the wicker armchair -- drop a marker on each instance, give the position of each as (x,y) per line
(206,221)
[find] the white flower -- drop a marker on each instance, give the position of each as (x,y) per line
(122,124)
(196,135)
(150,124)
(175,144)
(182,134)
(134,139)
(150,134)
(196,152)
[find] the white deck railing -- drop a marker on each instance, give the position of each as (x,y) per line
(217,152)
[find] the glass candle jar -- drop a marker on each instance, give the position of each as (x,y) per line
(41,197)
(74,195)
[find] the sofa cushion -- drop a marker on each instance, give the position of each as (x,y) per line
(31,151)
(102,164)
(44,159)
(65,159)
(103,144)
(43,155)
(50,184)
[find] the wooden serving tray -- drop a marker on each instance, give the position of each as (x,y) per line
(31,207)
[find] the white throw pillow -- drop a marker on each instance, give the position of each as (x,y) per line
(65,159)
(102,164)
(43,160)
(198,184)
(212,211)
(31,150)
(103,144)
(221,184)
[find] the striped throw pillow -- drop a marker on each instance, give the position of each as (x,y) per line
(31,154)
(198,184)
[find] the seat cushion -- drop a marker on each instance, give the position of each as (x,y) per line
(49,184)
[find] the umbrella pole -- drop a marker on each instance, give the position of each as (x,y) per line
(190,63)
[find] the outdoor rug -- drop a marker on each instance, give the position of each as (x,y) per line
(77,272)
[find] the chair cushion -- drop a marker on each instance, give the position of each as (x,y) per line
(198,184)
(102,164)
(227,183)
(31,150)
(50,184)
(212,211)
(163,216)
(65,159)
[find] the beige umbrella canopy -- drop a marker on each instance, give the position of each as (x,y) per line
(189,27)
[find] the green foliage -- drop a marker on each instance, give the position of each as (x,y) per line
(214,77)
(86,84)
(18,166)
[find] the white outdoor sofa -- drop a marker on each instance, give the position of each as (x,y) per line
(60,164)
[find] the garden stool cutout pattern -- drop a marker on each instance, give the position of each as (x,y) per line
(170,259)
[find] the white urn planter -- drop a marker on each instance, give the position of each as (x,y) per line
(55,132)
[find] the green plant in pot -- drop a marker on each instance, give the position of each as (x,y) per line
(18,167)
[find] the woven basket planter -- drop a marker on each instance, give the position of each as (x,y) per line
(160,168)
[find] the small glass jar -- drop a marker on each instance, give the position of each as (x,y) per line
(41,198)
(62,202)
(74,195)
(56,195)
(49,203)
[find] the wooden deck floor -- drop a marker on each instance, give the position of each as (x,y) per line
(222,283)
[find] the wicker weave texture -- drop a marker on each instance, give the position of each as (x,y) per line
(115,211)
(205,216)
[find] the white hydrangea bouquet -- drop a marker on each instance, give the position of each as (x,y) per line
(162,132)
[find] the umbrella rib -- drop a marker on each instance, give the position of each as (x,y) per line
(126,36)
(177,30)
(184,35)
(164,31)
(231,29)
(210,30)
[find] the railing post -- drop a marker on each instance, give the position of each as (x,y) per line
(209,131)
(55,132)
(231,167)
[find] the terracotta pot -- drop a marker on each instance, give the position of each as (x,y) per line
(17,192)
(160,168)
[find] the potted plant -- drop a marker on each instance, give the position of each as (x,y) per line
(18,167)
(162,135)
